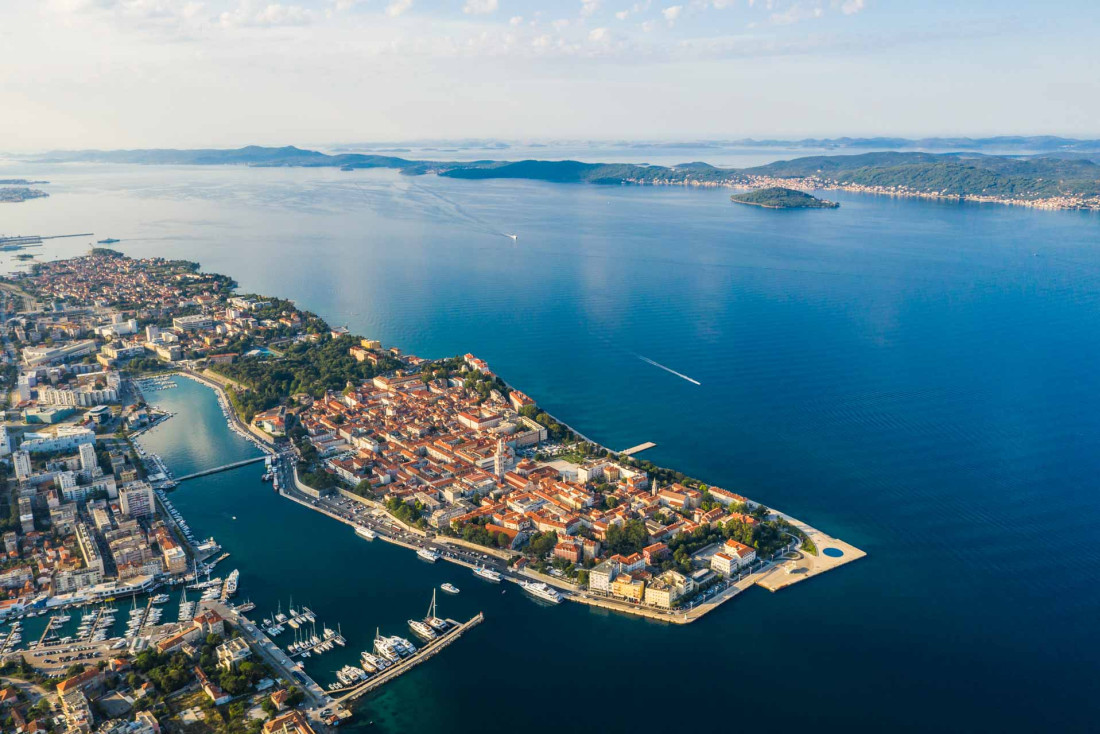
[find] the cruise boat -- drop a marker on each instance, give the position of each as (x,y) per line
(487,573)
(449,588)
(541,591)
(422,629)
(428,555)
(364,532)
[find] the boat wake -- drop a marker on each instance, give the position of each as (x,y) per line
(682,376)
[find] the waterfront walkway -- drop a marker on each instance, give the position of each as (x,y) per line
(224,467)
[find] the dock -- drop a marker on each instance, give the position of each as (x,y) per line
(637,449)
(427,651)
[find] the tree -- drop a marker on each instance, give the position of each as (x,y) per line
(541,544)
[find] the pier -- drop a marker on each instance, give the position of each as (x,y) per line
(637,449)
(224,467)
(425,652)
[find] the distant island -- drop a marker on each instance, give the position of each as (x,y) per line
(778,197)
(1052,181)
(16,194)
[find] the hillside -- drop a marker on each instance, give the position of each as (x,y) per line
(778,197)
(1063,182)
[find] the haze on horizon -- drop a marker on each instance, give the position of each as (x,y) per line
(224,73)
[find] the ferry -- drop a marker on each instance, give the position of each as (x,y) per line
(428,555)
(488,574)
(541,591)
(449,588)
(422,629)
(364,532)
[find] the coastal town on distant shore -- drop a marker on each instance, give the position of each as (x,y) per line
(441,456)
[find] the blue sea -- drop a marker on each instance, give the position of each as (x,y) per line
(917,378)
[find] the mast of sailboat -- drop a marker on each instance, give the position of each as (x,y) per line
(431,609)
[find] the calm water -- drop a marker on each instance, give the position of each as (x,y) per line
(918,379)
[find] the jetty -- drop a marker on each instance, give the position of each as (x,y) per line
(637,449)
(429,649)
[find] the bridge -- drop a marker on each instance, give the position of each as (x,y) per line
(224,467)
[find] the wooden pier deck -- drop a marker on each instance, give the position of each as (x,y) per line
(637,449)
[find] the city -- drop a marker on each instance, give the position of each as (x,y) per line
(438,456)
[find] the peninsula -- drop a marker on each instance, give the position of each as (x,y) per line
(439,456)
(777,197)
(445,447)
(1050,181)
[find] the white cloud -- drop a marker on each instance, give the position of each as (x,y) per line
(796,13)
(515,21)
(588,7)
(250,14)
(598,35)
(561,24)
(397,7)
(480,7)
(851,7)
(622,14)
(671,14)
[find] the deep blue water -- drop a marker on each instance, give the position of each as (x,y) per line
(917,378)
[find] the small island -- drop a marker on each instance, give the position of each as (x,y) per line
(777,197)
(17,194)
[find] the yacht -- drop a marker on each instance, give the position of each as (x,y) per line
(403,646)
(449,588)
(487,573)
(373,661)
(364,532)
(231,583)
(160,599)
(384,647)
(541,591)
(428,555)
(422,629)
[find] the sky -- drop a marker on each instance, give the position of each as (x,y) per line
(220,73)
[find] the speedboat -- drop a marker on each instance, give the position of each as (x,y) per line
(449,588)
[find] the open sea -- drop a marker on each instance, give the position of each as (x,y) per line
(919,379)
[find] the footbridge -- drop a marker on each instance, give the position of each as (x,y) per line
(224,467)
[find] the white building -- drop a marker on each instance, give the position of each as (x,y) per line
(136,499)
(35,356)
(197,322)
(64,439)
(22,461)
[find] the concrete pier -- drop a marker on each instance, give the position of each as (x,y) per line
(428,650)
